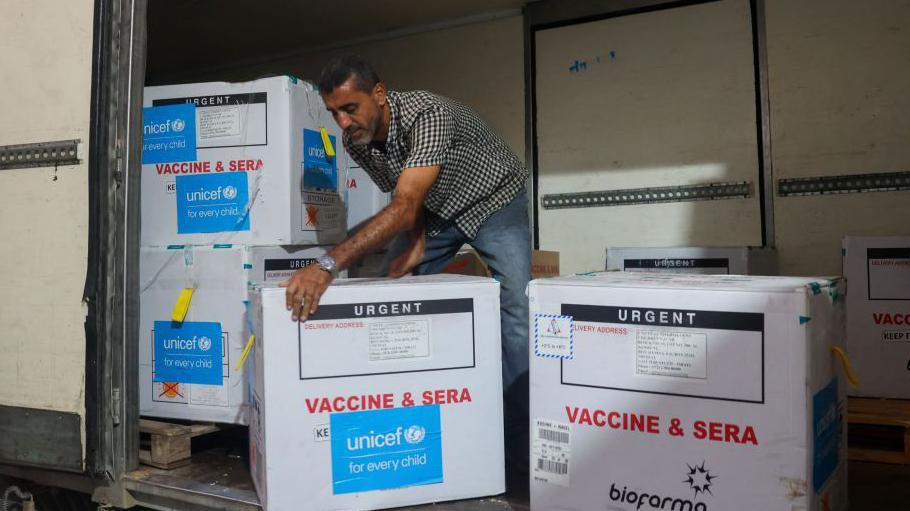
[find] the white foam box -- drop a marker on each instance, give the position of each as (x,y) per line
(686,392)
(697,260)
(878,314)
(390,395)
(240,163)
(364,199)
(216,310)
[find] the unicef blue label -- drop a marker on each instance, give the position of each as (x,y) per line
(212,203)
(169,133)
(382,449)
(188,352)
(319,169)
(826,427)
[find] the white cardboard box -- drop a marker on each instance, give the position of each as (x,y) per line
(686,392)
(240,163)
(364,199)
(219,279)
(330,422)
(700,260)
(276,264)
(878,314)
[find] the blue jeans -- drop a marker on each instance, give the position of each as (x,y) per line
(504,243)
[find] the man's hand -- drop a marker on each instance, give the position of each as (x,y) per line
(304,289)
(411,257)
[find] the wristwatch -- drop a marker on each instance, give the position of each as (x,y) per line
(327,263)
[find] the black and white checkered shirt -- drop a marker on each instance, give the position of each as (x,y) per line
(478,173)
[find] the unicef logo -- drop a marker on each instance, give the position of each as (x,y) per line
(178,124)
(415,434)
(205,343)
(230,192)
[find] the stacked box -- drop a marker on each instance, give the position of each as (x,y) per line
(180,378)
(878,314)
(389,395)
(686,392)
(240,181)
(697,260)
(241,163)
(364,199)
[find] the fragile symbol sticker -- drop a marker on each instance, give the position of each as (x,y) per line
(554,336)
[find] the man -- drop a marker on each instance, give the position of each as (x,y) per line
(454,182)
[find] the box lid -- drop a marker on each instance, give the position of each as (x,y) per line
(616,279)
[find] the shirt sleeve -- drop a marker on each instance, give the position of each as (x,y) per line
(432,136)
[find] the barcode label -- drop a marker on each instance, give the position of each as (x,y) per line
(553,467)
(551,452)
(560,437)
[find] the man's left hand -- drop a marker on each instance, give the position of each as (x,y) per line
(304,289)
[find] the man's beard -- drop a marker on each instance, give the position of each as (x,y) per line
(366,136)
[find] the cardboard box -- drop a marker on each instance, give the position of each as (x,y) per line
(390,395)
(878,314)
(213,390)
(364,199)
(240,163)
(698,260)
(686,392)
(468,262)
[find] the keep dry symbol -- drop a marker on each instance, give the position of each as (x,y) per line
(312,215)
(170,390)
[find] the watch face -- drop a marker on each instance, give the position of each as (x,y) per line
(327,262)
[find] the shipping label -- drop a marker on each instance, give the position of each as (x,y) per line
(693,353)
(383,449)
(695,265)
(321,211)
(551,452)
(283,268)
(387,337)
(227,120)
(553,336)
(889,273)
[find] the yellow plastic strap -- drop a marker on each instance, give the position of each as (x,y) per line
(848,368)
(183,304)
(245,353)
(327,143)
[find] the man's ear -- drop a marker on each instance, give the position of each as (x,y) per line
(379,93)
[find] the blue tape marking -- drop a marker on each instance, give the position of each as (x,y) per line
(827,428)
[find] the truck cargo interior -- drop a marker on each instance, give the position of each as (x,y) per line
(737,132)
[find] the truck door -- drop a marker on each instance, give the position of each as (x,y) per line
(67,146)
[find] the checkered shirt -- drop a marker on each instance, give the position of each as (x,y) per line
(478,173)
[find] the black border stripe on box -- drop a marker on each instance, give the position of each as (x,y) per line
(883,253)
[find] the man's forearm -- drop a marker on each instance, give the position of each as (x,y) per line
(400,215)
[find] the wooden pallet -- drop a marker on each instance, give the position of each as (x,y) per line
(167,445)
(879,430)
